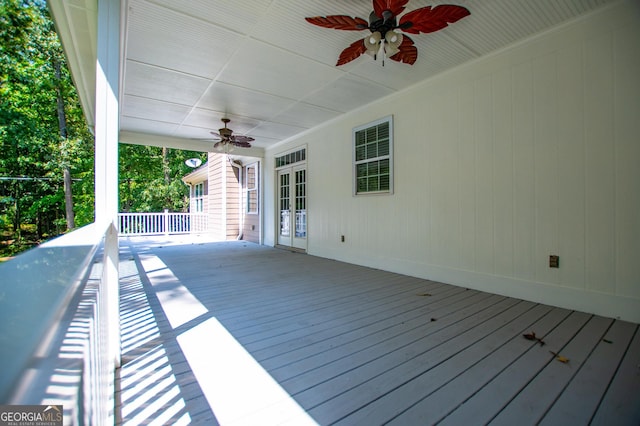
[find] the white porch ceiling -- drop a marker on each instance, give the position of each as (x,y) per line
(188,63)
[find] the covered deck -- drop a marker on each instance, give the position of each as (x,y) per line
(238,333)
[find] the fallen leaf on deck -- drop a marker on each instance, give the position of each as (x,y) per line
(560,358)
(423,294)
(433,319)
(532,336)
(607,341)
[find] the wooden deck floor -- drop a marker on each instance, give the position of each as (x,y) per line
(236,333)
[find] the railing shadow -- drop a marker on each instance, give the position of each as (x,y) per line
(180,362)
(154,381)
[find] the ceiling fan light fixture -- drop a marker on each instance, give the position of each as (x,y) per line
(383,21)
(372,43)
(393,38)
(225,147)
(392,42)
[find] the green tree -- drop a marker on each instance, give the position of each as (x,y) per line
(46,149)
(42,129)
(150,178)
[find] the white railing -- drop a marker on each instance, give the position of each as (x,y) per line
(164,223)
(58,319)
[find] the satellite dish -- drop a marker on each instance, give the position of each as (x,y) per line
(193,162)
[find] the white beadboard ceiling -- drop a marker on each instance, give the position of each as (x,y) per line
(188,63)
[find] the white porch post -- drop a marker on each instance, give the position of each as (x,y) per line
(106,164)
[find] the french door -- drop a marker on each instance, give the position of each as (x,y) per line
(292,207)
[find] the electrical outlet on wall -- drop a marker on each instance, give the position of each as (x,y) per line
(554,261)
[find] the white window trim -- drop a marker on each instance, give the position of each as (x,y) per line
(388,119)
(255,189)
(198,200)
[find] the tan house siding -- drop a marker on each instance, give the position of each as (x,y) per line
(251,228)
(225,198)
(216,189)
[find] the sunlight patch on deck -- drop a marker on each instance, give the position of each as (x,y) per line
(238,389)
(178,304)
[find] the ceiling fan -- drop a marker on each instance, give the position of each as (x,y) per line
(385,39)
(227,139)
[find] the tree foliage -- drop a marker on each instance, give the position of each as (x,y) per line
(33,155)
(35,151)
(150,178)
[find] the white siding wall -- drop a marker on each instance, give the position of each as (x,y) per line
(498,164)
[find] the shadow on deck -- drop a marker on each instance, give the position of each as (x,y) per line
(237,333)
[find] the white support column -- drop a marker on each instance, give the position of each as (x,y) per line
(106,163)
(107,126)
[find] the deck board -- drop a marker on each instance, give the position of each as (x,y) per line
(580,399)
(620,404)
(302,316)
(348,336)
(549,384)
(427,378)
(315,386)
(317,367)
(444,400)
(354,345)
(495,395)
(396,368)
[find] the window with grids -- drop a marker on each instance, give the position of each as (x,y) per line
(373,161)
(252,188)
(291,157)
(197,202)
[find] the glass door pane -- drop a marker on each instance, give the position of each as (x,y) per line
(284,202)
(301,203)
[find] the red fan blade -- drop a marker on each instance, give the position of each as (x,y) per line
(428,20)
(408,53)
(339,22)
(217,135)
(242,139)
(352,52)
(394,6)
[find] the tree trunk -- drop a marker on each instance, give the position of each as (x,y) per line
(167,176)
(17,218)
(68,199)
(165,165)
(62,124)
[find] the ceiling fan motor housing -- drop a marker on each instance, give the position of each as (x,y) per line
(225,132)
(382,24)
